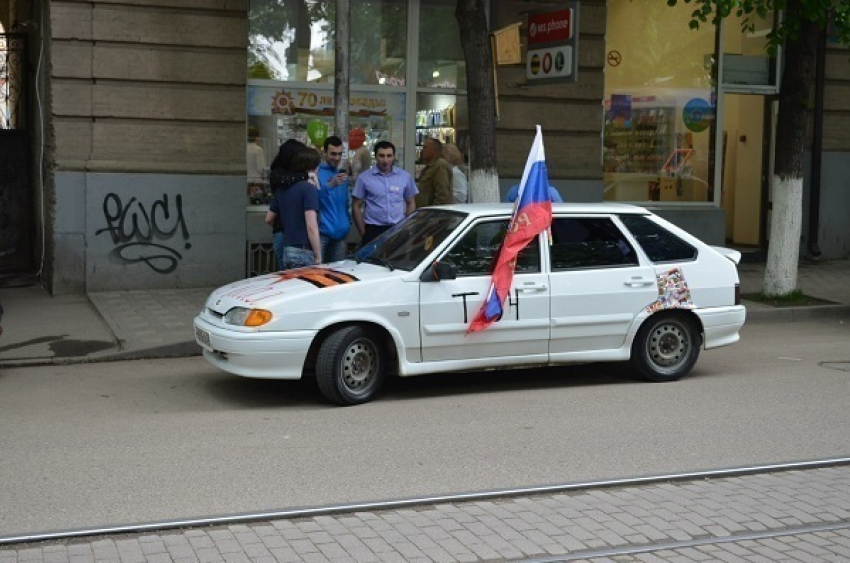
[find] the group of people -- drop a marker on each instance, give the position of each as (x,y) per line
(309,211)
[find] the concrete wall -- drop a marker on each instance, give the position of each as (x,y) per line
(148,101)
(129,231)
(836,118)
(834,229)
(570,114)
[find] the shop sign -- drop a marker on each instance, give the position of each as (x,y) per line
(552,54)
(550,27)
(270,100)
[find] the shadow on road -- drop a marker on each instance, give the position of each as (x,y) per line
(240,392)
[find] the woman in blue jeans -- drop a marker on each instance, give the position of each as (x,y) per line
(297,206)
(281,177)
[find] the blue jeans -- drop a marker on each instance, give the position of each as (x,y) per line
(333,250)
(277,239)
(294,257)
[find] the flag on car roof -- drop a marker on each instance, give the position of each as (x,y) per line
(532,215)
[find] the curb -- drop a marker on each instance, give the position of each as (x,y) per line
(179,350)
(766,313)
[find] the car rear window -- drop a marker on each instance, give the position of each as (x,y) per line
(589,242)
(659,244)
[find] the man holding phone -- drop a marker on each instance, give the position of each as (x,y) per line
(334,217)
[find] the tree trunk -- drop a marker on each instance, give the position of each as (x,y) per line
(341,73)
(780,275)
(475,39)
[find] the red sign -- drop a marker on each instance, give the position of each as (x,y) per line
(550,27)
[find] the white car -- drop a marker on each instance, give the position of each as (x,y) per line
(616,283)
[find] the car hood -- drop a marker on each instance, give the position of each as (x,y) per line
(271,289)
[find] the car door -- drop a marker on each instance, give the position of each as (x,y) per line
(448,306)
(598,285)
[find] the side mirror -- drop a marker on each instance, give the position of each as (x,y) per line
(439,271)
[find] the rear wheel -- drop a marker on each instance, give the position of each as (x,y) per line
(666,347)
(350,366)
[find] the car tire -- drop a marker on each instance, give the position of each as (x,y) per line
(666,347)
(350,367)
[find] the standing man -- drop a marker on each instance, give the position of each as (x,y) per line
(383,195)
(334,220)
(435,182)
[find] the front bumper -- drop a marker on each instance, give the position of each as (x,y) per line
(263,355)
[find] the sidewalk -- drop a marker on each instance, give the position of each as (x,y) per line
(41,329)
(798,515)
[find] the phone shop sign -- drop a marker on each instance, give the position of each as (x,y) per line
(552,54)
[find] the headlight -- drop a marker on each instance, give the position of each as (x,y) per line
(247,317)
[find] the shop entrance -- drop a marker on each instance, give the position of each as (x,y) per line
(747,161)
(17,222)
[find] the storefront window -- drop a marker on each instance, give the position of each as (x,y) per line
(441,60)
(660,100)
(378,42)
(746,63)
(443,117)
(291,40)
(291,71)
(279,112)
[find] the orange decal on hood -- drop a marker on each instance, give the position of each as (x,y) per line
(320,277)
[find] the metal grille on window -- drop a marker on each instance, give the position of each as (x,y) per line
(11,81)
(261,259)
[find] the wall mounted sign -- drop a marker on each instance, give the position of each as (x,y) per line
(552,54)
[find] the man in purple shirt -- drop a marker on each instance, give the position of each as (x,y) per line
(383,195)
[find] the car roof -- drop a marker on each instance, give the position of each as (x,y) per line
(488,209)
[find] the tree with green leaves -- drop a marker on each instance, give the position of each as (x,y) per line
(803,25)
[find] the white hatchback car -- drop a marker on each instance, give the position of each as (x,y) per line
(616,283)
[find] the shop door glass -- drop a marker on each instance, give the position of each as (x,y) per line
(659,108)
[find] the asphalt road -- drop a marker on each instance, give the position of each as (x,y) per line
(129,442)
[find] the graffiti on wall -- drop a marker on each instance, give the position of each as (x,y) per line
(149,236)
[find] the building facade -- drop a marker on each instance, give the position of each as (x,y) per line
(131,119)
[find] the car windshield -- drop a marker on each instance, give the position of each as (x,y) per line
(408,243)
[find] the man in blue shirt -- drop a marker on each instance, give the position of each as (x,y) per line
(383,195)
(334,220)
(513,193)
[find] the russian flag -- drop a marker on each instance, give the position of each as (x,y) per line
(532,214)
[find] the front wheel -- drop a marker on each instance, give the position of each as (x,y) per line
(350,366)
(666,347)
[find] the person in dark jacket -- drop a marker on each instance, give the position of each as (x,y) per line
(281,177)
(298,208)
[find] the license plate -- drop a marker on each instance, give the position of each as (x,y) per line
(203,337)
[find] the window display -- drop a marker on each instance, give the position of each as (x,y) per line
(438,116)
(280,113)
(660,97)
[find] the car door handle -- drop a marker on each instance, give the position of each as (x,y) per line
(532,287)
(639,282)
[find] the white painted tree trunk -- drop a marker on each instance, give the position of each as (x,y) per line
(780,275)
(483,186)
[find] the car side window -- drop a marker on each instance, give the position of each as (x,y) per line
(589,242)
(475,254)
(659,244)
